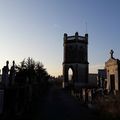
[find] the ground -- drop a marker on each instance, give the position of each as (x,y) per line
(58,105)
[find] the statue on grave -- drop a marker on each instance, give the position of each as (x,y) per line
(12,74)
(5,75)
(111,53)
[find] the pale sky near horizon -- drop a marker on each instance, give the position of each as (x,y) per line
(35,28)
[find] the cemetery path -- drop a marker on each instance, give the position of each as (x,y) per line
(57,105)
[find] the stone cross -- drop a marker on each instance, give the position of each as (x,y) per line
(111,53)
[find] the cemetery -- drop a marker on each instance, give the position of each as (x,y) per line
(21,86)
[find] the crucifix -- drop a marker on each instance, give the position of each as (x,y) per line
(111,53)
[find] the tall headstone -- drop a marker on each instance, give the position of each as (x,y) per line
(12,74)
(5,75)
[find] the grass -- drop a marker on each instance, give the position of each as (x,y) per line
(109,107)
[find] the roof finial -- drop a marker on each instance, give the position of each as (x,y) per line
(111,53)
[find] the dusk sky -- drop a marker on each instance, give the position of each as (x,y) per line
(35,28)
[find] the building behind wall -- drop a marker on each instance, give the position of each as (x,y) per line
(102,82)
(92,79)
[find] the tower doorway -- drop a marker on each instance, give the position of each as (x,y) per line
(70,75)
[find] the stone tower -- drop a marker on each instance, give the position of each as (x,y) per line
(76,59)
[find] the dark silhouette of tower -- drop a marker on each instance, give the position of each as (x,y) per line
(76,58)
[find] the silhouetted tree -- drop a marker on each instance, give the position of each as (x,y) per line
(31,72)
(42,75)
(33,77)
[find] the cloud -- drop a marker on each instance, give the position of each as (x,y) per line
(57,26)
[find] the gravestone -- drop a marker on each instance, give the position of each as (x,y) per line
(12,74)
(5,75)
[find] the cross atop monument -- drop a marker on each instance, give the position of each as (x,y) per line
(111,53)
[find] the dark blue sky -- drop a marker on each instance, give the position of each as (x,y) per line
(35,28)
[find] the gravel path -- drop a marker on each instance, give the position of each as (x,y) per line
(57,105)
